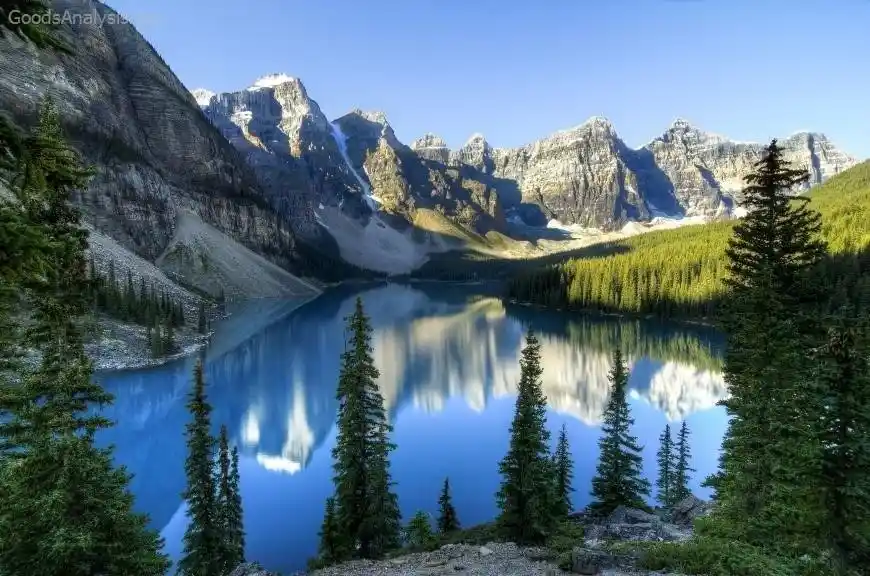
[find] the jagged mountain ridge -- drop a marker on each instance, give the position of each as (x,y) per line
(585,175)
(266,168)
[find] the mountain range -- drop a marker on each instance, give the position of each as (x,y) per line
(201,183)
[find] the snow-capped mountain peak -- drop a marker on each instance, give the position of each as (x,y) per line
(202,96)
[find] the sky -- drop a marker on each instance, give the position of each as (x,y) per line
(517,70)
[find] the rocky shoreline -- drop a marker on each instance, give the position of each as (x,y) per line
(595,554)
(123,346)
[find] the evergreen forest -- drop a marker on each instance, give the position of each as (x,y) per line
(681,272)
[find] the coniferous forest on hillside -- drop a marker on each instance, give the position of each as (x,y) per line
(791,495)
(681,272)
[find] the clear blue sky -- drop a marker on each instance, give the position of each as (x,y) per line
(516,70)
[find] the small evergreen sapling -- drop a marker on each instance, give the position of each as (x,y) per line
(448,521)
(418,533)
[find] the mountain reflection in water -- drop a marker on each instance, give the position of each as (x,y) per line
(449,363)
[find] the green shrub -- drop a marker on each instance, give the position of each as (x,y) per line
(418,533)
(565,537)
(475,535)
(720,557)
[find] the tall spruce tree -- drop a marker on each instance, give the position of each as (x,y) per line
(367,508)
(666,464)
(682,454)
(524,498)
(771,451)
(64,508)
(618,480)
(448,521)
(202,537)
(226,558)
(202,320)
(845,481)
(235,516)
(563,468)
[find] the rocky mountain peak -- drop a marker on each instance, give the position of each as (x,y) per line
(431,147)
(680,125)
(272,80)
(428,140)
(475,152)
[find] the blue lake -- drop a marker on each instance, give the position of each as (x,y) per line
(449,362)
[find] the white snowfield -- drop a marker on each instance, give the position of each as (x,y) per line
(202,256)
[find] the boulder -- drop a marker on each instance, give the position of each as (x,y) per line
(624,515)
(592,561)
(686,510)
(637,525)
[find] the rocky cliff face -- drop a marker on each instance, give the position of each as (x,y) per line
(354,163)
(154,152)
(704,172)
(588,176)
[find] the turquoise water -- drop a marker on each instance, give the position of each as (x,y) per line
(448,357)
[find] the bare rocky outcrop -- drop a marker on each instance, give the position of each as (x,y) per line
(688,509)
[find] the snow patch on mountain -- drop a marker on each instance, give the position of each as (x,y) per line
(202,96)
(341,141)
(271,80)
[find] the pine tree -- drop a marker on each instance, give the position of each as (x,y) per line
(618,480)
(845,479)
(201,539)
(235,515)
(201,319)
(157,341)
(448,521)
(330,550)
(169,346)
(222,302)
(526,486)
(368,511)
(770,451)
(665,459)
(681,454)
(223,503)
(64,509)
(418,534)
(129,308)
(563,466)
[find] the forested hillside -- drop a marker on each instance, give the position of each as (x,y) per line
(680,272)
